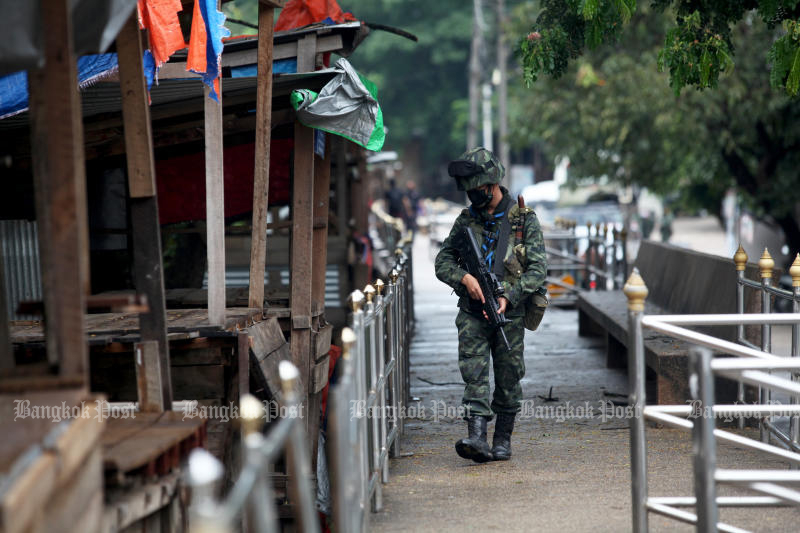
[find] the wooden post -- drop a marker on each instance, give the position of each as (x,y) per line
(149,381)
(307,53)
(301,253)
(258,246)
(60,186)
(215,209)
(342,190)
(243,360)
(148,269)
(359,196)
(322,187)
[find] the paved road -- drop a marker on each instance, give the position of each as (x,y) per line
(568,473)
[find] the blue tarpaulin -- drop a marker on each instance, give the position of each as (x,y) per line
(14,87)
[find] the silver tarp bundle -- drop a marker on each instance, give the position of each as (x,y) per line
(346,106)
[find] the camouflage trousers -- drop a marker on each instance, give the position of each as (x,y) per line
(477,342)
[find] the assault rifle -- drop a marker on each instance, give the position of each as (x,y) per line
(490,286)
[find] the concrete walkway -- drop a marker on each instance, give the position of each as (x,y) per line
(570,469)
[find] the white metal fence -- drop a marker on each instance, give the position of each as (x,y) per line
(751,366)
(364,427)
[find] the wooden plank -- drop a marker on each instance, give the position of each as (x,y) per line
(148,273)
(148,377)
(302,248)
(258,246)
(243,364)
(322,188)
(215,209)
(65,511)
(267,337)
(307,53)
(127,506)
(76,443)
(320,373)
(322,341)
(135,112)
(21,503)
(60,187)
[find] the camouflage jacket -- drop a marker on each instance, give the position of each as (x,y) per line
(525,262)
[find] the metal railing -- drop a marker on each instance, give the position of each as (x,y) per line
(252,496)
(368,401)
(751,366)
(365,425)
(767,292)
(596,260)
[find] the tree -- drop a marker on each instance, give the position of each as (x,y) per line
(695,52)
(613,114)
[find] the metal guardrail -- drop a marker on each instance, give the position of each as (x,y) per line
(365,424)
(369,400)
(766,265)
(252,496)
(751,366)
(597,260)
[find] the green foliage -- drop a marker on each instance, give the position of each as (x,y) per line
(696,52)
(785,58)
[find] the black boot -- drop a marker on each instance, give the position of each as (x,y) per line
(475,446)
(501,441)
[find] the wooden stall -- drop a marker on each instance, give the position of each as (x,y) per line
(150,171)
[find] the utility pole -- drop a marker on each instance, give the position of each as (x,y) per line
(502,89)
(475,73)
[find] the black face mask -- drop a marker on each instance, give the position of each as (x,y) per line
(479,197)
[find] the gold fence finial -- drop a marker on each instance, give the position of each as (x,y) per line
(356,300)
(794,271)
(393,275)
(348,340)
(252,414)
(740,258)
(766,264)
(636,291)
(379,285)
(369,290)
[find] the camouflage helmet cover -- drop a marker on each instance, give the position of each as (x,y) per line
(490,169)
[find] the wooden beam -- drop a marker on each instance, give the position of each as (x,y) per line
(258,246)
(307,53)
(148,268)
(302,250)
(135,112)
(215,209)
(322,187)
(343,213)
(149,382)
(60,186)
(243,360)
(325,43)
(272,3)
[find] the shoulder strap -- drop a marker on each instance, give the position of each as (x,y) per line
(502,244)
(521,223)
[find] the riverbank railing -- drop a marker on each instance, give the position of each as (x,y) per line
(752,366)
(368,402)
(578,258)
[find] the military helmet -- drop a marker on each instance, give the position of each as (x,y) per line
(476,167)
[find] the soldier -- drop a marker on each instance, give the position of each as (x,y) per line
(491,214)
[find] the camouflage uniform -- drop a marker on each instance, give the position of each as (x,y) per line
(525,270)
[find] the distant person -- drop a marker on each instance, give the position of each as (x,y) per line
(411,206)
(518,259)
(666,225)
(394,200)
